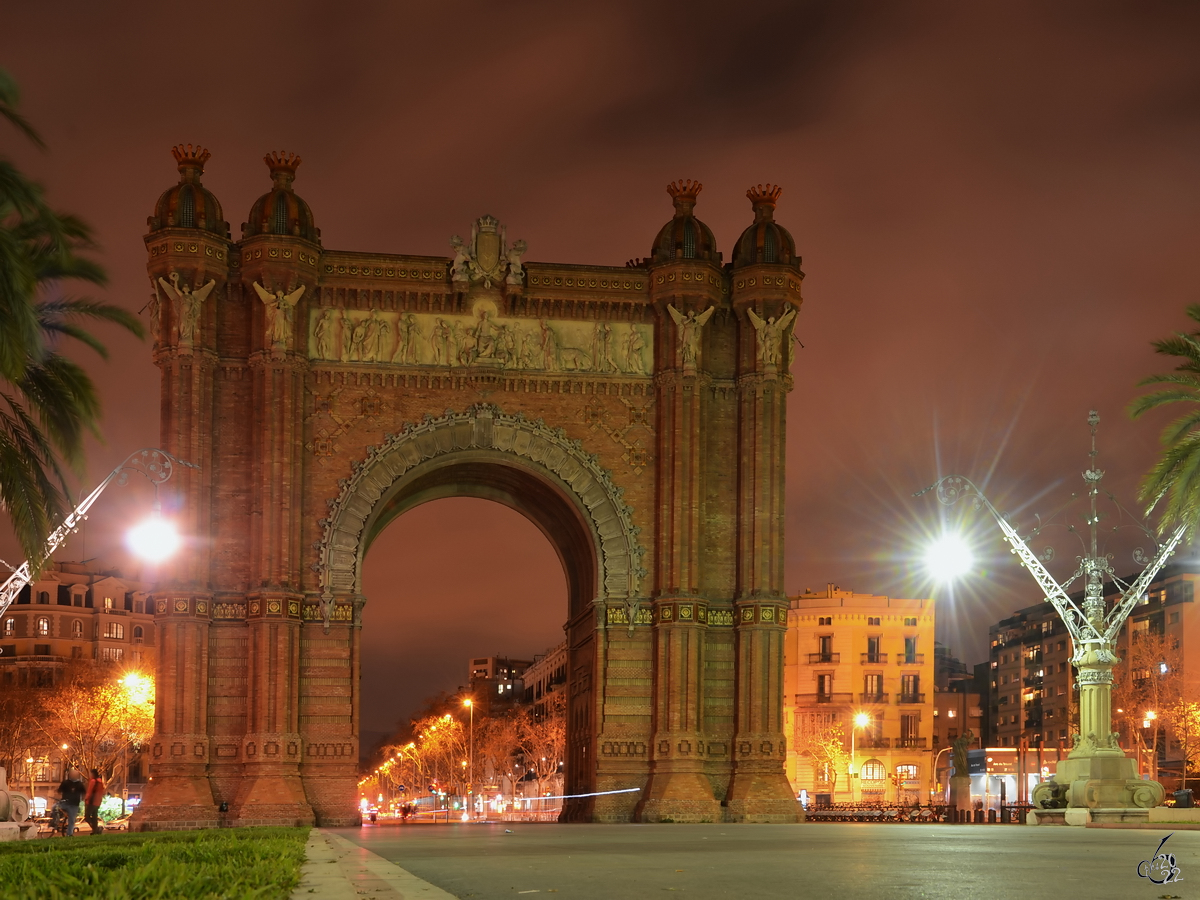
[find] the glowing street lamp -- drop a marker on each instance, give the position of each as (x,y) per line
(154,539)
(1096,774)
(949,558)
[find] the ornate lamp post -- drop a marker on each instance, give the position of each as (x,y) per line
(470,705)
(1097,774)
(154,539)
(861,720)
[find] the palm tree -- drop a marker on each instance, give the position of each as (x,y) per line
(47,402)
(1176,476)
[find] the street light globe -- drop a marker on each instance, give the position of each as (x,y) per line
(862,720)
(949,558)
(153,540)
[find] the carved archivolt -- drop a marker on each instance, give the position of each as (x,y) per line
(483,427)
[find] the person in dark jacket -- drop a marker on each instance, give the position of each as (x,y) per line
(71,791)
(92,799)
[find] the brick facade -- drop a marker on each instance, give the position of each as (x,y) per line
(636,414)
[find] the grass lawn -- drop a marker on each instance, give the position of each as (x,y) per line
(219,864)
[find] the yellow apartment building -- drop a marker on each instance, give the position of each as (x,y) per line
(863,662)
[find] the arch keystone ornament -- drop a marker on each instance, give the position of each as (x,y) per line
(631,413)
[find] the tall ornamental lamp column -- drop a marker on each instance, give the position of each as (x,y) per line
(1096,774)
(154,540)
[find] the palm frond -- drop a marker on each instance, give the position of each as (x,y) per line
(10,95)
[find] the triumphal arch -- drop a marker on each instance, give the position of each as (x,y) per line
(634,413)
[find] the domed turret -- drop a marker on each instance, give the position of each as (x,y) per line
(766,241)
(189,204)
(280,211)
(685,236)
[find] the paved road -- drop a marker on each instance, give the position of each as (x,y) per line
(601,862)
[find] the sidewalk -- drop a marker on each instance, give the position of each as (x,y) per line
(336,869)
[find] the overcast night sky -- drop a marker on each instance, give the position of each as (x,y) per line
(997,205)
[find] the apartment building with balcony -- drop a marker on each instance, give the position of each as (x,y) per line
(849,655)
(75,611)
(1032,694)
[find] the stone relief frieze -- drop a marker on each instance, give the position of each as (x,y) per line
(480,339)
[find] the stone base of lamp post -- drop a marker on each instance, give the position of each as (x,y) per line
(14,813)
(1103,782)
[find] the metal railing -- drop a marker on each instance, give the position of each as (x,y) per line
(911,659)
(873,698)
(874,658)
(910,698)
(815,658)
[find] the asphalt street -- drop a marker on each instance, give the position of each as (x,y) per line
(489,861)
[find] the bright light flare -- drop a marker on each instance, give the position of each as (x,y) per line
(154,539)
(949,558)
(862,720)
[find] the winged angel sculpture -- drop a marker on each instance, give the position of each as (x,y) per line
(279,313)
(689,326)
(188,304)
(770,335)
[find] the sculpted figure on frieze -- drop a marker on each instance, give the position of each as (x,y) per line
(688,328)
(770,334)
(347,335)
(280,307)
(324,335)
(188,304)
(635,346)
(440,340)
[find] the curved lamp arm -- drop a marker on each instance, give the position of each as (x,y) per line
(155,465)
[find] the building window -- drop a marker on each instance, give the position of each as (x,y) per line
(43,626)
(138,634)
(77,629)
(824,620)
(873,620)
(910,650)
(76,652)
(77,599)
(910,622)
(43,597)
(906,773)
(872,688)
(108,602)
(910,730)
(112,654)
(872,770)
(1174,618)
(10,627)
(910,689)
(824,688)
(114,631)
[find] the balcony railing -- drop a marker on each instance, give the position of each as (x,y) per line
(1033,680)
(910,698)
(878,697)
(811,699)
(816,658)
(910,743)
(873,743)
(911,659)
(872,659)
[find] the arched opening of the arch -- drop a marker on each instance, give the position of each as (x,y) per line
(483,475)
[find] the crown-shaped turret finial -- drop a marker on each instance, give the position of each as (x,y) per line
(764,193)
(190,158)
(762,198)
(683,193)
(283,167)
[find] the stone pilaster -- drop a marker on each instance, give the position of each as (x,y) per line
(759,790)
(179,794)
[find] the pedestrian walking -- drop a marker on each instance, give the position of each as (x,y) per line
(92,799)
(71,791)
